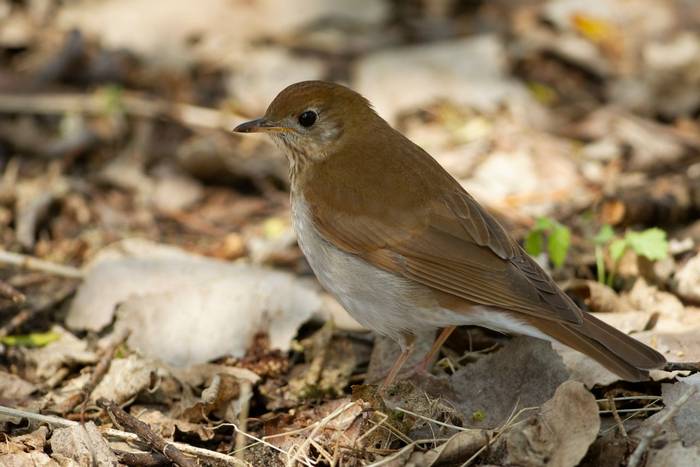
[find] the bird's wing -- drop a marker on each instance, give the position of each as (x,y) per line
(455,247)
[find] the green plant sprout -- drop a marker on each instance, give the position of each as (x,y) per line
(35,339)
(650,243)
(556,236)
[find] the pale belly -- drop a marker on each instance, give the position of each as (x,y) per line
(382,301)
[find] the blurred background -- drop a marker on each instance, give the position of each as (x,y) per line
(121,108)
(577,123)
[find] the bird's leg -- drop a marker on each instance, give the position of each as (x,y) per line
(406,349)
(422,367)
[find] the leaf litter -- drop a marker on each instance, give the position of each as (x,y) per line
(567,118)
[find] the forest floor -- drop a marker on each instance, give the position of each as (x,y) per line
(148,268)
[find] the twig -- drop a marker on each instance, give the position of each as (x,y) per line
(141,459)
(631,398)
(100,370)
(27,313)
(616,416)
(118,434)
(132,104)
(144,432)
(244,398)
(682,366)
(16,321)
(36,264)
(509,423)
(319,425)
(652,431)
(10,292)
(432,420)
(643,409)
(261,441)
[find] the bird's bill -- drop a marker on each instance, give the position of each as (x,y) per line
(260,125)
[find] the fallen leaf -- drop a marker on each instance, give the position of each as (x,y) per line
(14,389)
(688,279)
(458,449)
(29,459)
(67,350)
(166,426)
(126,378)
(687,420)
(206,308)
(31,442)
(560,434)
(524,373)
(83,444)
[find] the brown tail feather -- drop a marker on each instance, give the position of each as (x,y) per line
(615,350)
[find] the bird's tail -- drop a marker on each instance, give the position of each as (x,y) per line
(615,350)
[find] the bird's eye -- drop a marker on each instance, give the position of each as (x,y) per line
(308,118)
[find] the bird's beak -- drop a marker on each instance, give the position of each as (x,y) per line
(259,125)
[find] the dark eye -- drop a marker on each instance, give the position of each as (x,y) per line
(307,118)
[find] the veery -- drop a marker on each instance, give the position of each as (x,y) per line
(403,247)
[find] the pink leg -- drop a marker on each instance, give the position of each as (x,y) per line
(391,376)
(423,365)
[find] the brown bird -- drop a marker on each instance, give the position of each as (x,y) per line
(404,247)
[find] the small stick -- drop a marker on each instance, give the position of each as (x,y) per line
(10,292)
(300,452)
(682,366)
(652,431)
(100,370)
(130,103)
(118,434)
(145,433)
(141,459)
(36,264)
(16,321)
(25,314)
(616,416)
(244,398)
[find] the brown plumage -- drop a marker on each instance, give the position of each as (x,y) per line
(367,199)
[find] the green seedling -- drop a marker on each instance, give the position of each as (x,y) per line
(35,339)
(550,234)
(650,243)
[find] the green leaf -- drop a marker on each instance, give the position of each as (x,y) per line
(35,339)
(545,223)
(534,242)
(604,235)
(650,243)
(558,244)
(617,249)
(600,263)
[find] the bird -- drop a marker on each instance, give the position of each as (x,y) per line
(405,248)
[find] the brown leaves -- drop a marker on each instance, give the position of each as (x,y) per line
(559,436)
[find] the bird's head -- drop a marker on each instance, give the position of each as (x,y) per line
(310,120)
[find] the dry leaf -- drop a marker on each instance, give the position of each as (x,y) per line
(126,378)
(165,425)
(83,444)
(206,308)
(67,350)
(560,434)
(524,373)
(29,459)
(688,280)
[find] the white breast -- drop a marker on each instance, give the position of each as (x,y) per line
(382,301)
